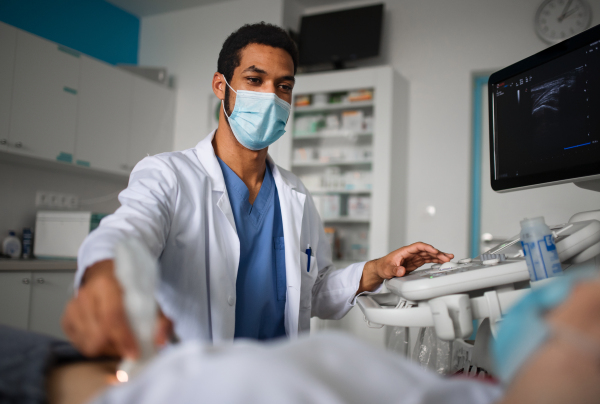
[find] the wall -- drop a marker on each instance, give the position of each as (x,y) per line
(93,27)
(188,43)
(17,207)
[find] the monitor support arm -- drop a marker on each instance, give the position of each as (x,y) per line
(592,185)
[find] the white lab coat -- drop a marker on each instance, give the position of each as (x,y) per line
(177,204)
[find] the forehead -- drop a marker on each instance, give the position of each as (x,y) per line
(272,60)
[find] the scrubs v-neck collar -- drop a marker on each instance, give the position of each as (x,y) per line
(264,199)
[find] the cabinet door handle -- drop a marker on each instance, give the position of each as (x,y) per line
(18,145)
(3,141)
(40,280)
(25,281)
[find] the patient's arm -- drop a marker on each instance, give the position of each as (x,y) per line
(78,383)
(563,371)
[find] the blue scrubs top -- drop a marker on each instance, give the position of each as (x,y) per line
(261,283)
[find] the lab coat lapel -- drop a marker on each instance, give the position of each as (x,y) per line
(206,155)
(292,210)
(208,159)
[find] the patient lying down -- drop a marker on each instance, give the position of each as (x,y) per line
(327,368)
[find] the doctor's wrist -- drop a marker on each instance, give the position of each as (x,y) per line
(104,267)
(370,278)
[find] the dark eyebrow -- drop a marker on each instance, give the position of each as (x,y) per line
(254,69)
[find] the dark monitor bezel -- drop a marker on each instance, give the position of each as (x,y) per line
(374,52)
(547,55)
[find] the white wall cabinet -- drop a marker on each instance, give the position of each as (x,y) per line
(103,120)
(36,300)
(44,102)
(8,47)
(15,292)
(315,153)
(50,293)
(152,120)
(57,104)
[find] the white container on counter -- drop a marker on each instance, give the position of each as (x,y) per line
(11,245)
(59,234)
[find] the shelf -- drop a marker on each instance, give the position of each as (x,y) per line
(27,160)
(346,219)
(389,102)
(331,107)
(330,164)
(37,264)
(340,135)
(341,192)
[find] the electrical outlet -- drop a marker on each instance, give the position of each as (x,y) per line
(72,202)
(56,200)
(42,199)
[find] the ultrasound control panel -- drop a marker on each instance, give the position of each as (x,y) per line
(501,265)
(434,282)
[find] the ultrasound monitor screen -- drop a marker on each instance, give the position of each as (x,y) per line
(545,116)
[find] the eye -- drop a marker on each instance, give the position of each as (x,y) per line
(286,88)
(253,80)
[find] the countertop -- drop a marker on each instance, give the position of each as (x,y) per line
(37,265)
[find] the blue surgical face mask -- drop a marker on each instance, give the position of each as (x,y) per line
(258,119)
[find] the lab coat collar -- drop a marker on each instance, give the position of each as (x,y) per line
(208,159)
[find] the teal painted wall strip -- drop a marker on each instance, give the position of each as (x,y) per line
(69,51)
(92,27)
(82,163)
(479,82)
(70,90)
(65,157)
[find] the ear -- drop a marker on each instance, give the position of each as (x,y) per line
(218,85)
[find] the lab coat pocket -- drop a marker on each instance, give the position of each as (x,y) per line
(308,277)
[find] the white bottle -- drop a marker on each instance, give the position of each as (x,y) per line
(11,245)
(539,248)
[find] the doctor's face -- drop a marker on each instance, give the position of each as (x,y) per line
(264,69)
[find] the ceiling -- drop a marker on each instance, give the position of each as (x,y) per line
(143,8)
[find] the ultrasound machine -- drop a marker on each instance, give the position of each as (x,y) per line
(544,130)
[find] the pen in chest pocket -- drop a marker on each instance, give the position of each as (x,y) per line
(308,253)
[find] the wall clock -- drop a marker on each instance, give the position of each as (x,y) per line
(557,20)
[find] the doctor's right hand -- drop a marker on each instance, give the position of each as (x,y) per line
(95,319)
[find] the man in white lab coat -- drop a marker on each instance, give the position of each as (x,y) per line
(241,246)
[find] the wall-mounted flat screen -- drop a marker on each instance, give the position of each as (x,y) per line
(341,36)
(544,116)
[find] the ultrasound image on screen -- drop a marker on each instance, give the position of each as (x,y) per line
(547,96)
(557,118)
(545,119)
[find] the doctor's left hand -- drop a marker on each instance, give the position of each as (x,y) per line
(399,263)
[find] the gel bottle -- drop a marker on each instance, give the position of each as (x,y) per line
(539,249)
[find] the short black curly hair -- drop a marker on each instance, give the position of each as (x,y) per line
(260,33)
